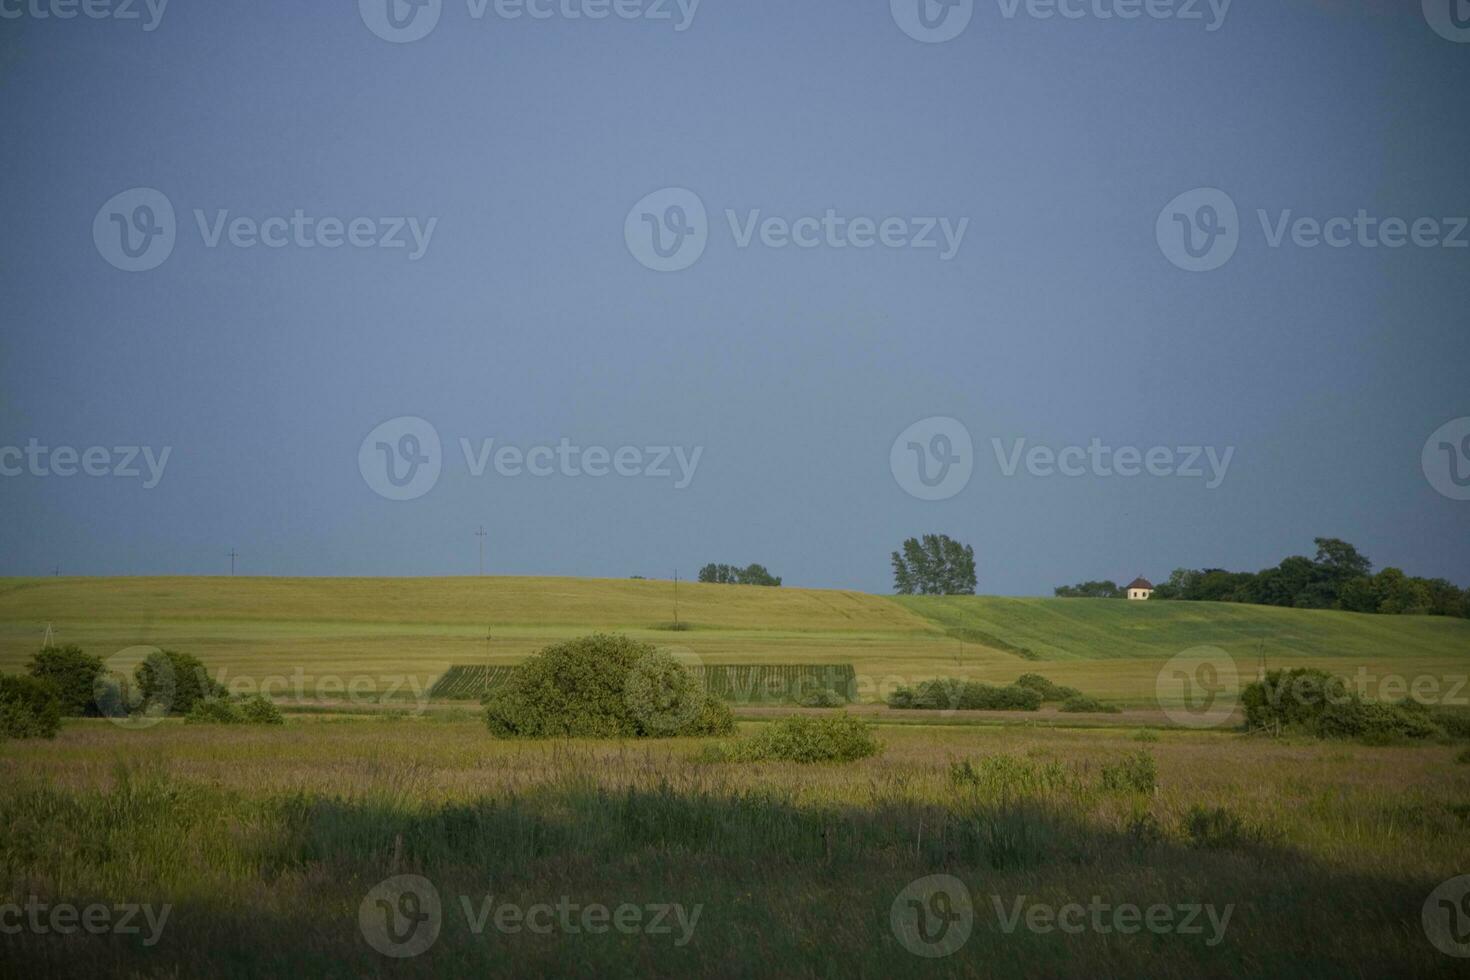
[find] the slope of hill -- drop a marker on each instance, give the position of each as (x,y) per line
(1094,629)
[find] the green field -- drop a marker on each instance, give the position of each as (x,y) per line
(318,635)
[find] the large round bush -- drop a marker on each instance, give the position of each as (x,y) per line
(603,686)
(29,708)
(74,673)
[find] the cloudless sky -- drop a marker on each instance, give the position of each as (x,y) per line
(528,320)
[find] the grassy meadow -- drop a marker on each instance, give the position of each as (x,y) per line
(268,845)
(265,843)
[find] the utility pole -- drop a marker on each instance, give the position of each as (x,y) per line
(233,555)
(56,572)
(48,639)
(481,535)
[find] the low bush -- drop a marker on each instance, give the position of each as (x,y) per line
(74,674)
(29,708)
(1048,690)
(839,738)
(822,698)
(1463,758)
(1082,703)
(603,686)
(1314,702)
(951,694)
(254,710)
(1454,721)
(1136,773)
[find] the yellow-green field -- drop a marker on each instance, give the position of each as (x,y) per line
(406,632)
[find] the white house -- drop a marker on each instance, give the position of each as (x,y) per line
(1140,589)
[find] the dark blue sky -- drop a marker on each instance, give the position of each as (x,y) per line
(529,319)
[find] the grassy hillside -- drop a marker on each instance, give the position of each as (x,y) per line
(1106,629)
(401,634)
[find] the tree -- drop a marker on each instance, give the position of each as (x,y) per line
(74,674)
(751,574)
(1340,560)
(934,565)
(1106,589)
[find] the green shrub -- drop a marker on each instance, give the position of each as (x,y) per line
(949,694)
(254,710)
(1083,703)
(174,682)
(1137,773)
(29,708)
(1048,690)
(1145,735)
(1463,758)
(1314,702)
(1455,722)
(822,698)
(214,711)
(833,738)
(74,673)
(603,686)
(261,710)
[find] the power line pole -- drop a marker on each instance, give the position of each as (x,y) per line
(233,555)
(481,535)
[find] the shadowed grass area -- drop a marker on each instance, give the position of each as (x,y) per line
(267,842)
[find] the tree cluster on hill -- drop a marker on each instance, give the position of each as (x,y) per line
(734,575)
(1106,589)
(1339,577)
(934,565)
